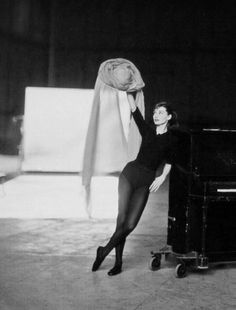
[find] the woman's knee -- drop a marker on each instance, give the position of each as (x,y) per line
(129,227)
(121,219)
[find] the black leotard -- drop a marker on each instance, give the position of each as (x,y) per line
(155,149)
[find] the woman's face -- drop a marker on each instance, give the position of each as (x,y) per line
(161,116)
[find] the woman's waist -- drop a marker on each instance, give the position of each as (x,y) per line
(143,165)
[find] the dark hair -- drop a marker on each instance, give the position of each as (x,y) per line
(173,122)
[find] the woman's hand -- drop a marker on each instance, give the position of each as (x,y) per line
(156,183)
(159,180)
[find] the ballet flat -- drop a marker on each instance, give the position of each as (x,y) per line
(115,270)
(99,259)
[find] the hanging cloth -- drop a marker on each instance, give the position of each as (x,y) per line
(112,138)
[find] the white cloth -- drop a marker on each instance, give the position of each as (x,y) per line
(113,138)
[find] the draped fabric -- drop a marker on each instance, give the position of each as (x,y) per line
(113,137)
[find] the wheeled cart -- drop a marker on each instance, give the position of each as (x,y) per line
(192,259)
(202,202)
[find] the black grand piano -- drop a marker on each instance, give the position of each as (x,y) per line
(202,201)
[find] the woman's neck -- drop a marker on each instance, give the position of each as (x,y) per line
(161,129)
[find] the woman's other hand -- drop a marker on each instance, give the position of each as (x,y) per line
(160,179)
(156,183)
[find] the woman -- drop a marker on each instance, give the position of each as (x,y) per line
(138,178)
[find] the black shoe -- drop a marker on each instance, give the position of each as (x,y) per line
(115,270)
(99,259)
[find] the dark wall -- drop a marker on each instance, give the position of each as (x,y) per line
(24,28)
(185,52)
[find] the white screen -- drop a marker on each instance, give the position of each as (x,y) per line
(55,127)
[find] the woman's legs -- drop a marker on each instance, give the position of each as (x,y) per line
(136,207)
(131,205)
(124,194)
(133,212)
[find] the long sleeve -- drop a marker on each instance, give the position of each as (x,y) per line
(139,120)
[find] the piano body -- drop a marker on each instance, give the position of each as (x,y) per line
(202,200)
(202,195)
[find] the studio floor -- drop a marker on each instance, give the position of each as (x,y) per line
(46,260)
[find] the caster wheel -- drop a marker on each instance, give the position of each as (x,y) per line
(180,270)
(155,263)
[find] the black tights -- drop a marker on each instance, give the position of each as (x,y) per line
(131,205)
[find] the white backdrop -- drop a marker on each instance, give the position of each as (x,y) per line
(54,133)
(55,127)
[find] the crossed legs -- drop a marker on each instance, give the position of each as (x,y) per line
(132,202)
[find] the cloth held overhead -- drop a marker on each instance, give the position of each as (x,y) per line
(113,137)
